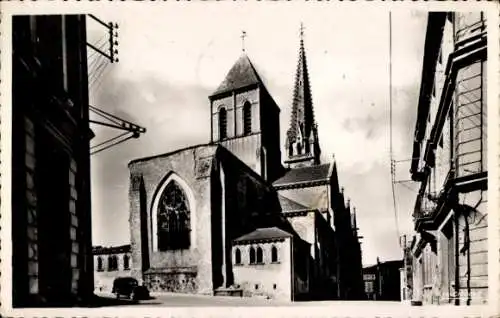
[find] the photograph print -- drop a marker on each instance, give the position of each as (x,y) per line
(312,156)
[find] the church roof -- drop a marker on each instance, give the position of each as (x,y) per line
(288,205)
(242,74)
(267,233)
(308,174)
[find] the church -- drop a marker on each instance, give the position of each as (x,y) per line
(229,217)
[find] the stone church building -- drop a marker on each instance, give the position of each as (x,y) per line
(228,217)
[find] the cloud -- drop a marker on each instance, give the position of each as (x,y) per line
(165,121)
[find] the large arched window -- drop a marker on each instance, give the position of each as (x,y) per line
(247,118)
(252,255)
(259,255)
(173,224)
(274,254)
(100,266)
(237,256)
(222,123)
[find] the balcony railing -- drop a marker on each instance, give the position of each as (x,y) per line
(468,25)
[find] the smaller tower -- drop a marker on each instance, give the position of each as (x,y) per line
(302,143)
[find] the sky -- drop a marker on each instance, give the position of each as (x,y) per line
(172,58)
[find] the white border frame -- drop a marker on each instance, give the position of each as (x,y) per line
(341,309)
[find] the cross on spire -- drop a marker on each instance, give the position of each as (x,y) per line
(302,28)
(243,36)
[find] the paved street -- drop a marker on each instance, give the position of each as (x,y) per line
(185,300)
(208,305)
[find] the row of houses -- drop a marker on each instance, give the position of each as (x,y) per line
(448,256)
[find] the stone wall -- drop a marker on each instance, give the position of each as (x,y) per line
(193,166)
(478,249)
(31,201)
(234,106)
(178,280)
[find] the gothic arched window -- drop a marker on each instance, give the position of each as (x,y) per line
(274,254)
(237,256)
(259,255)
(222,123)
(252,255)
(126,262)
(247,118)
(100,266)
(173,219)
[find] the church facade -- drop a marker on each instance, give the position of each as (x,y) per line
(227,217)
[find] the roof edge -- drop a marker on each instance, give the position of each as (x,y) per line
(134,161)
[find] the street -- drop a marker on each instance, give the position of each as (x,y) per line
(207,305)
(187,300)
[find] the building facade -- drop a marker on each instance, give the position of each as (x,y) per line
(51,226)
(192,211)
(263,261)
(110,263)
(450,162)
(383,280)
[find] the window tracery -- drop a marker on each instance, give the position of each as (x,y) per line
(173,219)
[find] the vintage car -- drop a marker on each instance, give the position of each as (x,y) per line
(129,287)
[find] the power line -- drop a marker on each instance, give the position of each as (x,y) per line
(391,154)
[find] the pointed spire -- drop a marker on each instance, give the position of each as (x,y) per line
(302,119)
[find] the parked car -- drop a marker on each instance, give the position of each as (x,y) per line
(129,287)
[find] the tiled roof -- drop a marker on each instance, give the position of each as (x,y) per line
(266,233)
(304,174)
(288,205)
(242,74)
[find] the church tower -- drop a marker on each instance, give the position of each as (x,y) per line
(302,143)
(245,119)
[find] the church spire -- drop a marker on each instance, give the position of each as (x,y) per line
(302,137)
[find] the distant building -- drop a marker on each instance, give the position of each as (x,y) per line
(109,263)
(407,273)
(383,280)
(51,219)
(450,249)
(207,218)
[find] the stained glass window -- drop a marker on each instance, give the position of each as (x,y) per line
(173,219)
